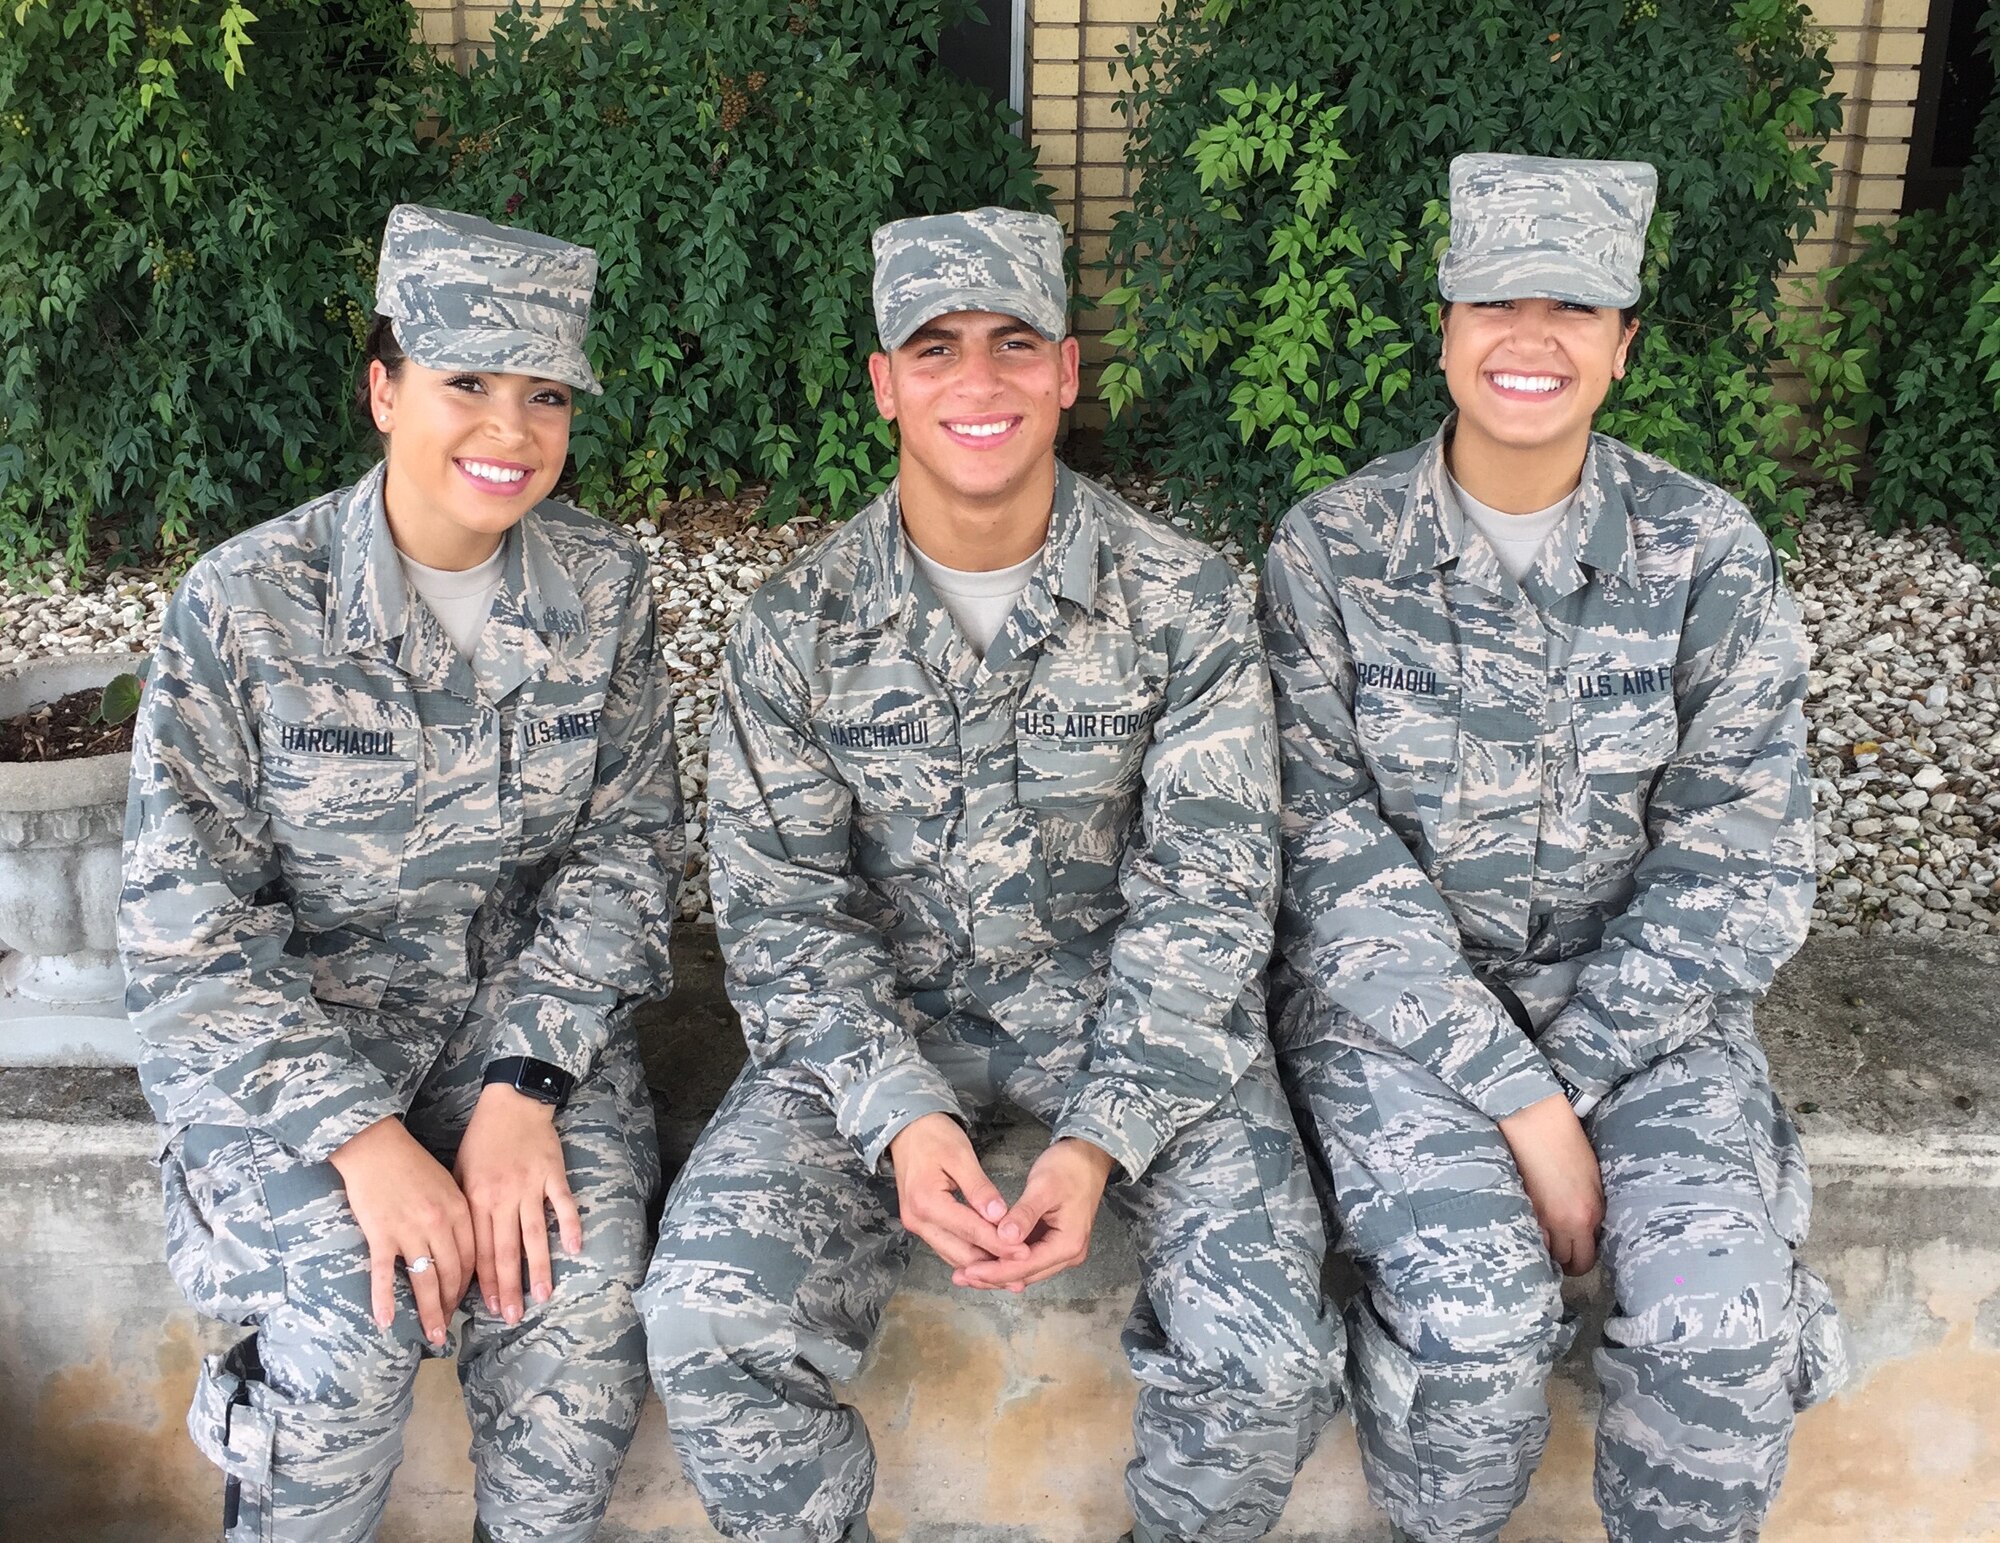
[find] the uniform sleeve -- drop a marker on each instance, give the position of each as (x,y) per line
(814,985)
(229,1030)
(1359,919)
(604,918)
(1200,884)
(1724,895)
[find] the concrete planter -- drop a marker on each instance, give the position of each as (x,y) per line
(61,990)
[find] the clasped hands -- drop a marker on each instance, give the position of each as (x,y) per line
(947,1200)
(481,1220)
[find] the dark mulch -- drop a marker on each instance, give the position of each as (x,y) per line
(63,730)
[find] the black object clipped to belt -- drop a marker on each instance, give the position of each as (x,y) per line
(243,1363)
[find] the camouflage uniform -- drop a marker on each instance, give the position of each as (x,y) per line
(945,884)
(1548,837)
(359,868)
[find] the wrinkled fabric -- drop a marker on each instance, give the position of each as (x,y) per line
(1549,837)
(330,807)
(1074,834)
(359,868)
(942,882)
(258,1235)
(780,1248)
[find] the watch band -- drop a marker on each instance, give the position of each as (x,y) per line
(543,1081)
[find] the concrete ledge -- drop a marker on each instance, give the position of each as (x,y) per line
(1005,1421)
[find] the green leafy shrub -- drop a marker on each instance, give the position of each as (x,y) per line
(193,195)
(1907,356)
(1275,280)
(184,189)
(728,160)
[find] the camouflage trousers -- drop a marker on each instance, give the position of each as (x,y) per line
(256,1235)
(779,1251)
(1717,1333)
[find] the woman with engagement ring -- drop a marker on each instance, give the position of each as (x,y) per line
(402,850)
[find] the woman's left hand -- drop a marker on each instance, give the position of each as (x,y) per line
(510,1168)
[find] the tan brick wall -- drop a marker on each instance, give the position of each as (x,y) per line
(1878,48)
(1075,125)
(457,28)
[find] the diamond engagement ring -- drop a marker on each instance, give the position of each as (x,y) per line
(418,1265)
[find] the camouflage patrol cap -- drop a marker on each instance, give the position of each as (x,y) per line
(1004,260)
(465,294)
(1539,227)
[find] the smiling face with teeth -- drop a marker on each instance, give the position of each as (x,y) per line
(1527,377)
(976,397)
(469,453)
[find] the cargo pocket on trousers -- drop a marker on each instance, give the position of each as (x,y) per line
(221,1249)
(1821,1369)
(233,1427)
(1382,1393)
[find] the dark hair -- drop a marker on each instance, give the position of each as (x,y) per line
(379,344)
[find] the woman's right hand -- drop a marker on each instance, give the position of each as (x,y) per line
(1559,1171)
(409,1208)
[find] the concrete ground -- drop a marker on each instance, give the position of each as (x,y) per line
(1004,1421)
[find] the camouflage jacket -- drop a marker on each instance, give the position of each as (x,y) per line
(346,845)
(1074,840)
(1591,795)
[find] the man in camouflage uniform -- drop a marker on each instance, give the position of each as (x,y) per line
(1547,838)
(948,880)
(364,874)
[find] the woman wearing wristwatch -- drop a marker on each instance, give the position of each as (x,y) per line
(401,855)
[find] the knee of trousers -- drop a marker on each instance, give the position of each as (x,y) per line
(1503,1367)
(1687,1300)
(1453,1311)
(1269,1351)
(704,1317)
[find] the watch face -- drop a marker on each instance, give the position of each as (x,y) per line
(542,1081)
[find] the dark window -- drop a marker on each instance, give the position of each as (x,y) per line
(1952,93)
(988,53)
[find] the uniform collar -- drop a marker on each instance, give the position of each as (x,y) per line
(886,578)
(1430,529)
(537,603)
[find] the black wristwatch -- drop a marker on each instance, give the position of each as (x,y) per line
(543,1081)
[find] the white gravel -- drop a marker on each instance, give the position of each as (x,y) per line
(1903,702)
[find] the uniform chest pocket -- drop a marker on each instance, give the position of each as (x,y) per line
(1054,770)
(558,751)
(1407,734)
(340,813)
(1408,731)
(1625,737)
(896,764)
(1621,745)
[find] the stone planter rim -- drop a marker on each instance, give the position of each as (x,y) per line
(29,787)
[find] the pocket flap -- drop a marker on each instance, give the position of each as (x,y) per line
(1822,1368)
(231,1423)
(1626,734)
(1380,1373)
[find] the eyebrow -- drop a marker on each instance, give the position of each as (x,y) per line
(939,332)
